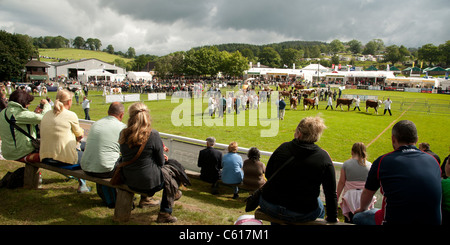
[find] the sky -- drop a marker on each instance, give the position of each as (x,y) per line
(160,27)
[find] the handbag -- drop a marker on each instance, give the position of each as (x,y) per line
(35,142)
(252,202)
(117,178)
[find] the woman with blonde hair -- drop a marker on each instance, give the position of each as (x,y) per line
(60,136)
(145,174)
(352,180)
(232,164)
(303,168)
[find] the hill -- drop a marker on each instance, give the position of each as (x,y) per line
(77,54)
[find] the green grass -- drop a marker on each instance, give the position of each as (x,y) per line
(58,202)
(77,54)
(343,127)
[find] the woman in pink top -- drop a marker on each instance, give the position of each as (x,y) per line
(351,182)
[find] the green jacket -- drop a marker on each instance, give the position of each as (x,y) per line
(15,144)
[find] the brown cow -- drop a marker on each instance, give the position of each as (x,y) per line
(283,85)
(308,102)
(374,104)
(285,93)
(294,102)
(299,86)
(343,101)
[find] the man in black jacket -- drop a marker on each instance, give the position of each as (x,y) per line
(210,162)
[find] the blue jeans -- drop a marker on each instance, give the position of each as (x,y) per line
(365,218)
(283,213)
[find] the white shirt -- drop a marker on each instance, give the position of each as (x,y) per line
(387,104)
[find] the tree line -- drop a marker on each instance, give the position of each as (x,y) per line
(280,55)
(230,59)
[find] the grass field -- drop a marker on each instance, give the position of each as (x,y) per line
(58,203)
(77,54)
(343,127)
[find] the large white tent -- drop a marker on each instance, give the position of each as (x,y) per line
(95,75)
(139,76)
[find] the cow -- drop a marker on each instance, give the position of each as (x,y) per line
(374,104)
(343,101)
(116,90)
(293,101)
(299,86)
(285,94)
(308,102)
(283,85)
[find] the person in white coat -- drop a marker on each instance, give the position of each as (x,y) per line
(387,106)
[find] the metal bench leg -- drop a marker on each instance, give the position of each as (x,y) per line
(124,203)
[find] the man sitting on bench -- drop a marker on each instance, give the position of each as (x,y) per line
(102,150)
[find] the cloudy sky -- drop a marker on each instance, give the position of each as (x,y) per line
(163,26)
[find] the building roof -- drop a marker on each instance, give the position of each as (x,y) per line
(77,61)
(36,63)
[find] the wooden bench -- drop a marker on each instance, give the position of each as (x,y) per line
(259,214)
(124,199)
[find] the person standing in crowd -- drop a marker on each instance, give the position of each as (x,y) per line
(232,164)
(352,179)
(294,196)
(281,108)
(254,170)
(409,197)
(16,145)
(102,151)
(86,106)
(316,102)
(425,147)
(210,164)
(357,102)
(387,106)
(60,135)
(77,95)
(329,103)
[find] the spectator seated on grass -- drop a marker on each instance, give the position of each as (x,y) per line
(210,164)
(232,164)
(254,170)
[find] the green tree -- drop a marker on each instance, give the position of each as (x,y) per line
(79,43)
(444,49)
(131,53)
(373,47)
(429,53)
(15,51)
(270,57)
(110,49)
(336,46)
(355,46)
(291,56)
(392,54)
(233,64)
